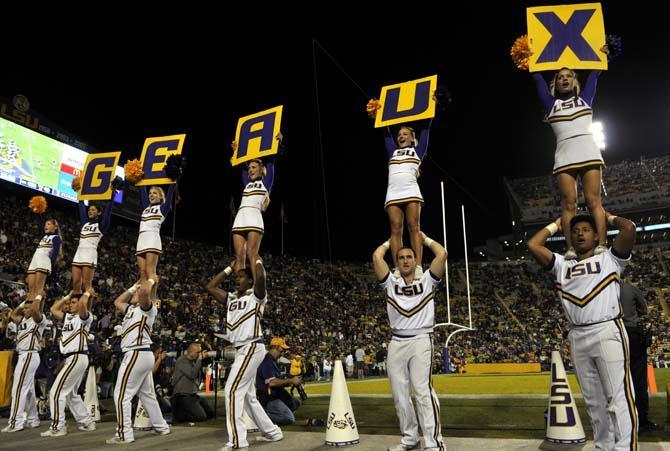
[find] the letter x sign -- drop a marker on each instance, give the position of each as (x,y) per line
(566,36)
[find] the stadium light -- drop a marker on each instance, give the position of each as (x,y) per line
(598,132)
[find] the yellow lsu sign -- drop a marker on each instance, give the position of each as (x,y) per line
(97,177)
(569,36)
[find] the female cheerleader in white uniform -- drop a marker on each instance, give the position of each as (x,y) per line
(156,208)
(568,110)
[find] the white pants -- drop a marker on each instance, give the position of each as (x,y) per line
(409,366)
(602,363)
(241,396)
(23,390)
(64,391)
(135,378)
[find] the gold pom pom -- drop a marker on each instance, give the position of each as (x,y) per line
(38,204)
(520,52)
(76,183)
(133,169)
(372,107)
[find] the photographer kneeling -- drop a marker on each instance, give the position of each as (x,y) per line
(186,404)
(277,402)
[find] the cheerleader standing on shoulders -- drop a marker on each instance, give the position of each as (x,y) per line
(156,208)
(568,110)
(248,227)
(403,196)
(44,259)
(94,223)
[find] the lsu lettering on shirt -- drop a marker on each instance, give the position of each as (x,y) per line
(75,333)
(136,327)
(410,307)
(29,334)
(243,317)
(590,289)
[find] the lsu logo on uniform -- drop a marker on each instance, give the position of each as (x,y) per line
(256,135)
(236,305)
(582,269)
(566,36)
(154,154)
(408,101)
(569,104)
(411,290)
(99,172)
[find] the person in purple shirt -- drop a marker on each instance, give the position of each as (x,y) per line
(568,109)
(403,196)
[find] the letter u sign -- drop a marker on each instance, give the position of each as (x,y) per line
(406,102)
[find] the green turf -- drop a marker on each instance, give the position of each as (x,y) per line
(473,384)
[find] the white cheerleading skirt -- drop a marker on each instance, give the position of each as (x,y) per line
(40,263)
(248,219)
(149,242)
(578,153)
(402,188)
(86,256)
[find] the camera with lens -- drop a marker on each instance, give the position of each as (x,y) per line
(301,392)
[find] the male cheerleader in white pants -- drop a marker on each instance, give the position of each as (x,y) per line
(31,323)
(244,310)
(135,377)
(410,306)
(73,344)
(589,290)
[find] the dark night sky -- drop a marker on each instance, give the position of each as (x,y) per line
(124,85)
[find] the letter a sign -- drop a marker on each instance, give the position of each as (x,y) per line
(566,36)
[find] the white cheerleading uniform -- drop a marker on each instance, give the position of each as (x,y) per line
(149,239)
(135,373)
(589,291)
(41,261)
(403,186)
(243,323)
(23,386)
(249,216)
(73,345)
(411,312)
(87,251)
(570,119)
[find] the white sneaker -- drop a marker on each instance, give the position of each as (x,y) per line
(403,447)
(270,438)
(600,249)
(118,441)
(51,433)
(418,272)
(87,427)
(162,431)
(34,425)
(230,448)
(571,254)
(10,429)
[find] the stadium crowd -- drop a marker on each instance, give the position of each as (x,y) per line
(325,311)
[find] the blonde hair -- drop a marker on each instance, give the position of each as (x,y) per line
(576,87)
(415,142)
(161,193)
(264,170)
